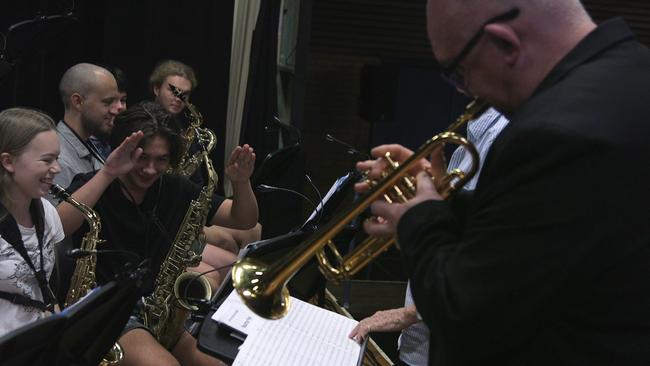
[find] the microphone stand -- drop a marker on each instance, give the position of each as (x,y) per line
(264,188)
(138,273)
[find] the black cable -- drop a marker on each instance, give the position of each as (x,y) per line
(320,208)
(267,188)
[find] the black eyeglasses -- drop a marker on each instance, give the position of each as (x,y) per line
(449,72)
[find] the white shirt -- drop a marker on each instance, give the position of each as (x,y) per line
(16,276)
(413,343)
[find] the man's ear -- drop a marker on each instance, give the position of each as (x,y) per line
(506,39)
(7,162)
(76,100)
(156,90)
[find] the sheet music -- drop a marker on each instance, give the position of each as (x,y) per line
(307,335)
(235,314)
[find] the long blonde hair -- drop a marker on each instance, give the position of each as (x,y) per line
(18,126)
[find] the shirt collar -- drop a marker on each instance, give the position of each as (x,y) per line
(478,127)
(67,134)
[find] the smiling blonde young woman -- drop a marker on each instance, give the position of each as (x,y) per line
(29,224)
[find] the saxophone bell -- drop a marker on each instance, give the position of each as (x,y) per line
(192,287)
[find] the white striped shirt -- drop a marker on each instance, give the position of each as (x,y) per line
(413,343)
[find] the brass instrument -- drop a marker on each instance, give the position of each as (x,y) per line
(263,287)
(204,136)
(83,278)
(162,311)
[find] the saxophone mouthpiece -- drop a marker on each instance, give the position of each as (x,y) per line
(59,192)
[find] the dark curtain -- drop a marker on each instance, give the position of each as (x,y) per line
(133,35)
(261,131)
(261,93)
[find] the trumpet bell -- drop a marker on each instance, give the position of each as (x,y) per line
(249,279)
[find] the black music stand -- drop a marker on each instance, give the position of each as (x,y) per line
(281,168)
(33,344)
(93,327)
(276,163)
(82,334)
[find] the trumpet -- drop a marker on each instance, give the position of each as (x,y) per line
(263,287)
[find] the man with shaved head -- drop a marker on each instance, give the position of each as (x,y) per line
(91,101)
(549,262)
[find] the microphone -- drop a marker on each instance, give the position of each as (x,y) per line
(350,149)
(130,271)
(276,121)
(81,253)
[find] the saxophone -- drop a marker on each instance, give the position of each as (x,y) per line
(83,277)
(204,136)
(163,312)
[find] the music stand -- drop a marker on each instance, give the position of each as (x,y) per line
(81,334)
(275,163)
(32,344)
(95,323)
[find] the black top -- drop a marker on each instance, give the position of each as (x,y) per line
(147,230)
(552,265)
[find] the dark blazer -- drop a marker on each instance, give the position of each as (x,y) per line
(552,266)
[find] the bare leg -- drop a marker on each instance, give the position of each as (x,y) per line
(231,239)
(142,349)
(214,277)
(217,236)
(219,258)
(244,237)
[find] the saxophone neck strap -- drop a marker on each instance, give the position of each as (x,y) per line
(10,232)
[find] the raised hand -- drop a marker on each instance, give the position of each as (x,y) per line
(124,157)
(241,164)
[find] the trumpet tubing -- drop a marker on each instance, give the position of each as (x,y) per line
(263,287)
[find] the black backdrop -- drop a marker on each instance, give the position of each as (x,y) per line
(133,35)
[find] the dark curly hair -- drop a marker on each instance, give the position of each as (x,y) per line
(152,120)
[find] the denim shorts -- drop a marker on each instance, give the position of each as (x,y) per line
(134,322)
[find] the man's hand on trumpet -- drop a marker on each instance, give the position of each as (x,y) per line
(386,215)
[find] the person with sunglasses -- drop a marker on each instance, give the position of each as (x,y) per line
(548,264)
